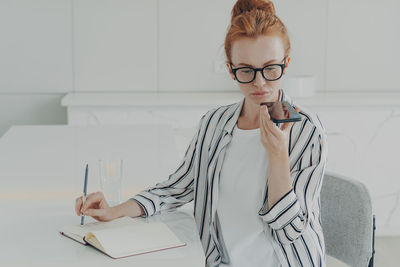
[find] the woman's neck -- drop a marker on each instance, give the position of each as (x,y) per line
(249,118)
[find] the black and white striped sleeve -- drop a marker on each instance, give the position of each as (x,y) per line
(177,190)
(290,215)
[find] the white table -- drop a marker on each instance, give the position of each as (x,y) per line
(41,172)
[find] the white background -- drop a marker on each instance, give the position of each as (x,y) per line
(51,47)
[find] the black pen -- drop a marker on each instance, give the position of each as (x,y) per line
(84,193)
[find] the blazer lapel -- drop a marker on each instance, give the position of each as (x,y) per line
(213,174)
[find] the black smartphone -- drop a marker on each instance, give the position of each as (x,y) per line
(282,111)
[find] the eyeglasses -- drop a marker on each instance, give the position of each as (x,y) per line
(270,72)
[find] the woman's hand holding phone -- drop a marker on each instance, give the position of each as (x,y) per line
(274,139)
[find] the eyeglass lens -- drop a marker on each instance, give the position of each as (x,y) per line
(247,74)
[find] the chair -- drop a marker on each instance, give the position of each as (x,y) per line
(347,220)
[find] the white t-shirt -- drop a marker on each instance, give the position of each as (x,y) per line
(242,183)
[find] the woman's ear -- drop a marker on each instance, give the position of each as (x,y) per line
(286,64)
(228,66)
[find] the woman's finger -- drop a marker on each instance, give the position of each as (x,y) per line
(265,119)
(288,125)
(92,199)
(78,205)
(272,128)
(266,112)
(263,127)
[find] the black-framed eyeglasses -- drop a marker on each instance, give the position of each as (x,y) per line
(271,72)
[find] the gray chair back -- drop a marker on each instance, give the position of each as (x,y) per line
(347,220)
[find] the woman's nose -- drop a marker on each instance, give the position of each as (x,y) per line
(259,80)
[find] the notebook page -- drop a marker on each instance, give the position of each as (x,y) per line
(135,239)
(78,231)
(74,232)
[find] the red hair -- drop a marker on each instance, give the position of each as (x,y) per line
(253,18)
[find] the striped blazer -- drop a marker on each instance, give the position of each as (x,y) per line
(294,220)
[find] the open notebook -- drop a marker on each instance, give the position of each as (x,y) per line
(124,237)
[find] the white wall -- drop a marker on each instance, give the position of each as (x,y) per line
(115,45)
(60,46)
(35,61)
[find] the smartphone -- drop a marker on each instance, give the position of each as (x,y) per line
(282,111)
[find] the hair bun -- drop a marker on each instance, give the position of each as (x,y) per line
(242,6)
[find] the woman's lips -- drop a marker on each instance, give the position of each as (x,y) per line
(260,94)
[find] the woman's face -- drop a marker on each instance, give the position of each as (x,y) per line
(257,53)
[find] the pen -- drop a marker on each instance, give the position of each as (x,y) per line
(84,193)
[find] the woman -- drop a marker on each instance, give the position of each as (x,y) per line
(255,185)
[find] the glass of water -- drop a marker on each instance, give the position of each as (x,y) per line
(111,180)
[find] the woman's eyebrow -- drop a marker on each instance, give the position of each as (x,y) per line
(266,63)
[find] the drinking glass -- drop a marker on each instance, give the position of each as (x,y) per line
(111,180)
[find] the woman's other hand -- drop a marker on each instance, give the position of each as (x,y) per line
(95,206)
